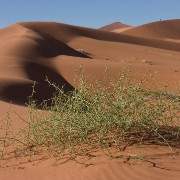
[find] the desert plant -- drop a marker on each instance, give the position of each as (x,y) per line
(101,115)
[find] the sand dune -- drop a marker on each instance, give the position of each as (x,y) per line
(69,33)
(157,30)
(117,27)
(113,26)
(32,51)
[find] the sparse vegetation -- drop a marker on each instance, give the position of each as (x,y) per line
(102,115)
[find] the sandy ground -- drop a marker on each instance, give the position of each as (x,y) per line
(31,51)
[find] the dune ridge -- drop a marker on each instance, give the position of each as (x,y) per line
(68,33)
(157,30)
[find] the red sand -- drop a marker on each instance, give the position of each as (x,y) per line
(31,51)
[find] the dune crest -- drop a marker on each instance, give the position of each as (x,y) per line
(114,26)
(158,30)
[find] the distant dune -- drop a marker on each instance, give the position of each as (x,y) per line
(32,51)
(160,30)
(114,26)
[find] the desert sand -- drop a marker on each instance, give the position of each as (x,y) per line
(114,26)
(117,27)
(30,51)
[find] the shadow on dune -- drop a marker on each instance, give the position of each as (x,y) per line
(18,92)
(51,47)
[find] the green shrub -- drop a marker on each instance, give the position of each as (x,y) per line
(102,115)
